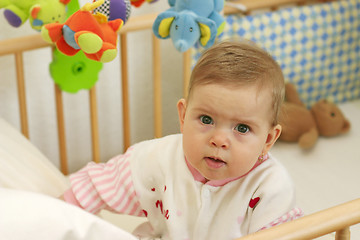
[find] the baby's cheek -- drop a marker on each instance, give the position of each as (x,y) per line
(244,164)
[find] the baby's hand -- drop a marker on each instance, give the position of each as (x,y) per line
(61,197)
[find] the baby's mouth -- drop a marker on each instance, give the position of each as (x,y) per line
(214,162)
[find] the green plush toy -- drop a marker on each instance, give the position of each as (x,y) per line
(39,12)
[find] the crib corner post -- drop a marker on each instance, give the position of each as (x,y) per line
(343,234)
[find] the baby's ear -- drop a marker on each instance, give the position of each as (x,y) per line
(181,107)
(273,135)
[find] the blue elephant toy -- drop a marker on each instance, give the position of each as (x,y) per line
(189,21)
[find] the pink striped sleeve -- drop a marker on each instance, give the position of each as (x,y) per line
(106,185)
(287,217)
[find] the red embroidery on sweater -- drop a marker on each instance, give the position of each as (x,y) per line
(166,214)
(159,204)
(153,189)
(253,202)
(145,212)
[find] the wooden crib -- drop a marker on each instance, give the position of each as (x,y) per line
(336,219)
(18,46)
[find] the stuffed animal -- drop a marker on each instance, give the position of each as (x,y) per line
(91,33)
(138,3)
(39,12)
(305,126)
(187,22)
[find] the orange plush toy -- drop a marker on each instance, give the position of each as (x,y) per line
(91,33)
(305,126)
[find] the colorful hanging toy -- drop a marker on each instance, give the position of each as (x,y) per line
(90,30)
(39,12)
(187,22)
(74,73)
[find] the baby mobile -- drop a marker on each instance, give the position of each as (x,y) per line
(84,41)
(85,37)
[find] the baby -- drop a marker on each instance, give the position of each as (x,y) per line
(215,180)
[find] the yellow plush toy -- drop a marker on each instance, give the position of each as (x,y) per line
(305,126)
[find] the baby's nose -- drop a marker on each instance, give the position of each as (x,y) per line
(220,139)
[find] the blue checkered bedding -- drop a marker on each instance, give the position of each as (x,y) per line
(317,46)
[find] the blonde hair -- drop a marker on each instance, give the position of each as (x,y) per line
(238,63)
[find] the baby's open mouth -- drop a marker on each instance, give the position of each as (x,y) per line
(213,162)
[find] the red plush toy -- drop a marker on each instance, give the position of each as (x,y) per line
(91,33)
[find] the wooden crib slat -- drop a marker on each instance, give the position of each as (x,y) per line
(21,94)
(61,130)
(157,87)
(94,125)
(125,90)
(186,71)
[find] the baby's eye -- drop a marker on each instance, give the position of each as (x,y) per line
(242,128)
(206,119)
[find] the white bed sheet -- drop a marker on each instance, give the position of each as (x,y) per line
(29,208)
(35,216)
(23,166)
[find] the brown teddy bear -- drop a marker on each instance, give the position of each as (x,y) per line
(305,126)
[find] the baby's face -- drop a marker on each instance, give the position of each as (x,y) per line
(226,129)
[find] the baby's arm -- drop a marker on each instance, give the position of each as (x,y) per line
(104,186)
(287,217)
(275,200)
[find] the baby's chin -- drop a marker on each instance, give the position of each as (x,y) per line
(217,177)
(222,177)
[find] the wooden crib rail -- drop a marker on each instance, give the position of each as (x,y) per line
(252,5)
(22,44)
(336,219)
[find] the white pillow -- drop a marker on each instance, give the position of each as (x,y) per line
(23,166)
(34,216)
